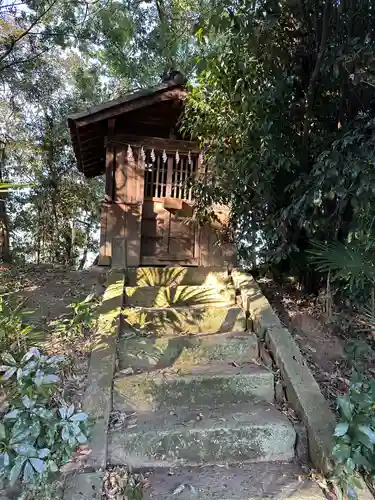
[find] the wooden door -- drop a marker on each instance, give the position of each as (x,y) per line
(167,234)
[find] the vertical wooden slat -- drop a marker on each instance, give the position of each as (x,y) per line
(169,192)
(147,175)
(140,180)
(165,177)
(153,172)
(109,173)
(157,181)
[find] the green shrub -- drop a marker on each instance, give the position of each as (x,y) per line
(82,320)
(354,437)
(15,334)
(36,437)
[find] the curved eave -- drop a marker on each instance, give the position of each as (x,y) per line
(89,129)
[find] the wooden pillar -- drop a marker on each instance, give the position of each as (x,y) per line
(127,208)
(105,251)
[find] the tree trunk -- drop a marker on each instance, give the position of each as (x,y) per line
(4,224)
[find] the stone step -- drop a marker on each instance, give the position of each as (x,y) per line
(173,276)
(183,320)
(178,296)
(257,481)
(185,351)
(237,432)
(215,384)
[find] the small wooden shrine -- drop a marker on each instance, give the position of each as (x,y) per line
(135,141)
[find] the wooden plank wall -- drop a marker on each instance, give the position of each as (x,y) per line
(121,215)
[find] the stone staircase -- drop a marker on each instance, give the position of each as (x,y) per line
(194,401)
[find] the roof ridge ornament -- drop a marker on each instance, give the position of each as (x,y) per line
(173,76)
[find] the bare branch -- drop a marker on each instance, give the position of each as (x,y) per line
(27,31)
(23,61)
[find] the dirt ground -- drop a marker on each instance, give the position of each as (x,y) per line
(321,341)
(46,292)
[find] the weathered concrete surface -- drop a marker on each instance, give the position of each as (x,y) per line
(304,394)
(172,321)
(253,302)
(274,481)
(86,486)
(173,276)
(186,351)
(302,390)
(218,383)
(256,433)
(176,296)
(97,400)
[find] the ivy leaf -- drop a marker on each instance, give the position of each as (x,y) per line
(20,433)
(35,353)
(27,402)
(30,354)
(43,453)
(16,469)
(9,373)
(341,429)
(28,473)
(365,429)
(364,439)
(63,412)
(81,438)
(345,407)
(35,429)
(8,358)
(79,417)
(5,459)
(38,379)
(44,413)
(26,450)
(2,431)
(50,379)
(341,451)
(38,465)
(65,434)
(52,466)
(12,415)
(361,460)
(70,411)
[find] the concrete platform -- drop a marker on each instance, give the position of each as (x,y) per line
(177,296)
(183,320)
(185,351)
(173,276)
(215,384)
(239,432)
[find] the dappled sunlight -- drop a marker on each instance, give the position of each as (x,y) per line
(172,321)
(174,276)
(178,296)
(152,353)
(154,276)
(109,310)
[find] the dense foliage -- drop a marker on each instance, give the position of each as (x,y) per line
(36,438)
(57,57)
(285,106)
